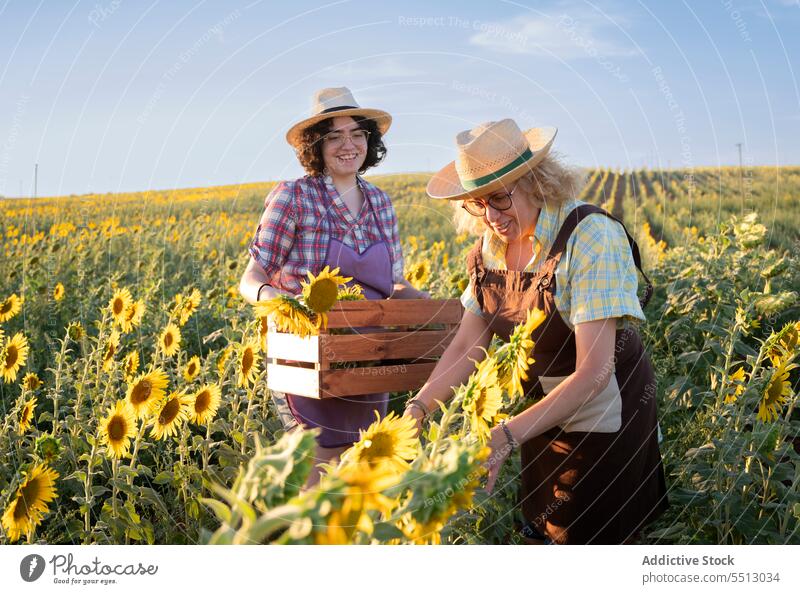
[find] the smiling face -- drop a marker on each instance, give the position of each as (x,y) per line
(344,158)
(512,224)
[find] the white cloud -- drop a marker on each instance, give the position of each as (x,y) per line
(568,31)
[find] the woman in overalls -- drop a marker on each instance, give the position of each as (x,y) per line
(331,217)
(590,461)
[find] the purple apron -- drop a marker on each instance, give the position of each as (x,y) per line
(339,419)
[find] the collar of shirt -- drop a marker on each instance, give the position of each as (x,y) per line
(547,226)
(341,208)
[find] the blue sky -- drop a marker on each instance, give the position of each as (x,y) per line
(117,95)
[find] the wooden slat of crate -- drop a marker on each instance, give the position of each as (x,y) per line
(348,382)
(368,380)
(282,345)
(293,380)
(384,345)
(394,312)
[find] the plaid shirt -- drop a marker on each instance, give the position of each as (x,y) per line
(292,236)
(596,277)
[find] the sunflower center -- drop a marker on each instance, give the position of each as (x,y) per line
(247,361)
(141,392)
(117,428)
(480,402)
(774,391)
(192,368)
(168,339)
(6,307)
(322,295)
(380,446)
(26,414)
(29,495)
(169,412)
(12,354)
(202,401)
(118,306)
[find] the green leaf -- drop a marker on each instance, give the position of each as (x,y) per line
(385,531)
(222,511)
(163,477)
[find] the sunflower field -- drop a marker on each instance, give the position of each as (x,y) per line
(135,406)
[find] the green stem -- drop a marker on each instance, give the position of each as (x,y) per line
(136,451)
(57,388)
(87,489)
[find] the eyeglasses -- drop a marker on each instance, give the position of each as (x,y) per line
(339,138)
(477,208)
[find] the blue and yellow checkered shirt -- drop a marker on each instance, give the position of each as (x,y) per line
(596,277)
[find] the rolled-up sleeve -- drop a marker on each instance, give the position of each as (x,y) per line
(275,234)
(469,301)
(602,279)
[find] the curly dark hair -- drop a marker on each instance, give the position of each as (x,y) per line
(309,153)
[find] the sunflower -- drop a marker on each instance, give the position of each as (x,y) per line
(186,306)
(10,307)
(368,482)
(248,364)
(145,392)
(58,292)
(391,440)
(483,398)
(131,364)
(737,381)
(13,356)
(171,412)
(192,368)
(119,304)
(321,292)
(514,356)
(47,447)
(777,392)
(75,331)
(204,404)
(351,293)
(112,345)
(289,315)
(31,381)
(222,362)
(29,504)
(170,340)
(26,415)
(789,339)
(118,428)
(133,315)
(419,273)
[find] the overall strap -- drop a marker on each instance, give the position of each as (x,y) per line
(475,269)
(571,222)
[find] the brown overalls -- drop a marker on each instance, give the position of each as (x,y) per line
(579,487)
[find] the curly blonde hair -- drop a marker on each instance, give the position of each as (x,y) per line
(548,184)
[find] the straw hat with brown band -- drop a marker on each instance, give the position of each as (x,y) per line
(335,102)
(490,156)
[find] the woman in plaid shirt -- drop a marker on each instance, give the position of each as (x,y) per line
(334,217)
(591,470)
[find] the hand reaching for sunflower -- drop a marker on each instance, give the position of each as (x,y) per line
(498,442)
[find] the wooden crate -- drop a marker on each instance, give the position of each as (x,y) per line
(404,336)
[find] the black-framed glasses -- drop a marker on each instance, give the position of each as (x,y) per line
(359,136)
(477,208)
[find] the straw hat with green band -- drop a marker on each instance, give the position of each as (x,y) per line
(333,102)
(490,157)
